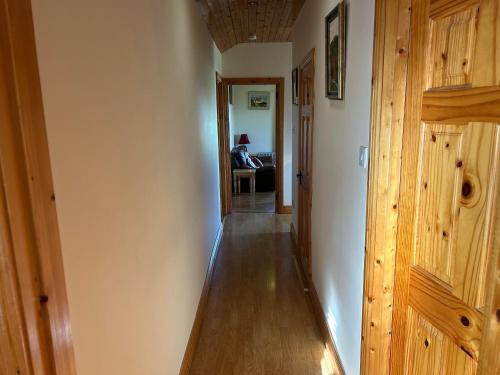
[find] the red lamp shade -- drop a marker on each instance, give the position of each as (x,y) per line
(244,139)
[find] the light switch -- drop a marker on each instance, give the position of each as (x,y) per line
(363,157)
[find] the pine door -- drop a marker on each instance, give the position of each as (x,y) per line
(446,317)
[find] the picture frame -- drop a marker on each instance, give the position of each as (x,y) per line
(335,41)
(259,100)
(295,86)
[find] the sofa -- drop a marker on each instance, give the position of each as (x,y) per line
(265,175)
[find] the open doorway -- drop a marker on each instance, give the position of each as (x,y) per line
(251,133)
(252,141)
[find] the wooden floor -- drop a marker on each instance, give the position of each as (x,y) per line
(258,202)
(258,320)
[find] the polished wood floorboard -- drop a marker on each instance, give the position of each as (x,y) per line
(258,320)
(258,202)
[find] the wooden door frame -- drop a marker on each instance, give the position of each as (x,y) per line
(223,141)
(308,59)
(279,82)
(35,181)
(390,61)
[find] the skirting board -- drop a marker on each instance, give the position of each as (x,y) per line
(293,233)
(200,312)
(319,313)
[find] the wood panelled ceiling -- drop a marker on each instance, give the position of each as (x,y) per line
(231,22)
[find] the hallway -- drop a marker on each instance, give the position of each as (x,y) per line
(263,202)
(258,320)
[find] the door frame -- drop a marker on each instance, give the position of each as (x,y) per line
(390,62)
(35,186)
(223,141)
(308,59)
(225,165)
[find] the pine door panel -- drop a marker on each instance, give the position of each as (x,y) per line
(446,296)
(432,352)
(452,41)
(454,206)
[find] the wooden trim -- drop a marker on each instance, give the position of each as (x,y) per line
(425,291)
(489,362)
(419,35)
(445,8)
(319,314)
(280,127)
(287,209)
(293,233)
(223,141)
(194,337)
(462,105)
(392,21)
(33,151)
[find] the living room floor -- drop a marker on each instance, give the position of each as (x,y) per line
(258,202)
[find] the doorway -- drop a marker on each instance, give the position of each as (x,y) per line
(251,159)
(305,159)
(252,141)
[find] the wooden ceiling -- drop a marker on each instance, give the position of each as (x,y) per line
(235,21)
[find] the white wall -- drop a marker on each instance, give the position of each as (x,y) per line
(258,124)
(267,60)
(129,97)
(339,185)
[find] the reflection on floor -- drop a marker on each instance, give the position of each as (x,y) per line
(258,320)
(258,202)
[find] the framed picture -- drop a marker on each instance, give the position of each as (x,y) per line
(258,99)
(335,52)
(295,86)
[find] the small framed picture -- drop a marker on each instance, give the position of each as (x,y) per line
(335,52)
(258,99)
(295,86)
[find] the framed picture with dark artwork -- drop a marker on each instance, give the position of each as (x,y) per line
(335,52)
(295,86)
(258,99)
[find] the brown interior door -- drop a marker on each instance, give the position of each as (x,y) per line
(223,136)
(446,317)
(305,162)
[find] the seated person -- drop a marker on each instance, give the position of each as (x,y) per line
(242,160)
(265,173)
